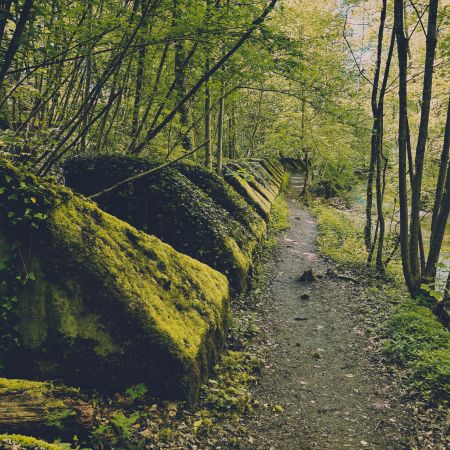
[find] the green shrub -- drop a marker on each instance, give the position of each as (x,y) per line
(420,342)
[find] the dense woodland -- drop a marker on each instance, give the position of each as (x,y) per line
(354,94)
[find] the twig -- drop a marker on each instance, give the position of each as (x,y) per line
(361,72)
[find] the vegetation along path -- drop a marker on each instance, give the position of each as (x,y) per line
(321,387)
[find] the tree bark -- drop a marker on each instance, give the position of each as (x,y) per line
(416,187)
(219,154)
(375,132)
(15,40)
(402,54)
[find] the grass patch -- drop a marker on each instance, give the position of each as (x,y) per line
(279,217)
(419,342)
(340,235)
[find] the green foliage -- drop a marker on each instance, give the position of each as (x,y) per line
(137,391)
(23,207)
(420,342)
(340,235)
(279,216)
(229,391)
(117,432)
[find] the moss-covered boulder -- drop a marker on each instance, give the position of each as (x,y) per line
(244,183)
(224,195)
(260,179)
(169,205)
(98,302)
(275,172)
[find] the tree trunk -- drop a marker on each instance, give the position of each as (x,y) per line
(219,155)
(416,188)
(442,171)
(16,39)
(180,83)
(142,52)
(402,54)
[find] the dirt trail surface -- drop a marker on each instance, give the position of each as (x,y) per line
(319,366)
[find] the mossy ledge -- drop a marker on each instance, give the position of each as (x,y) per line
(170,206)
(244,183)
(225,196)
(110,306)
(19,442)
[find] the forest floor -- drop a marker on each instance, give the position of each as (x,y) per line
(324,384)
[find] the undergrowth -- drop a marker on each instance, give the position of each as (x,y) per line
(415,339)
(340,237)
(418,341)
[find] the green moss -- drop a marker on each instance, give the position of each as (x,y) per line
(252,196)
(340,236)
(224,195)
(170,206)
(112,306)
(279,216)
(272,170)
(19,442)
(252,173)
(123,256)
(420,342)
(50,405)
(75,322)
(34,388)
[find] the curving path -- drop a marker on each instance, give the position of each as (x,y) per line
(319,368)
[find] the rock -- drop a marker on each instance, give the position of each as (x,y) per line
(169,205)
(225,196)
(107,306)
(305,297)
(307,276)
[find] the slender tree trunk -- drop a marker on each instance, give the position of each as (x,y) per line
(441,205)
(208,147)
(153,132)
(402,54)
(16,39)
(180,82)
(375,132)
(416,188)
(88,78)
(219,154)
(442,171)
(379,195)
(139,85)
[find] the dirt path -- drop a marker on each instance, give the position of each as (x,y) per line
(319,368)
